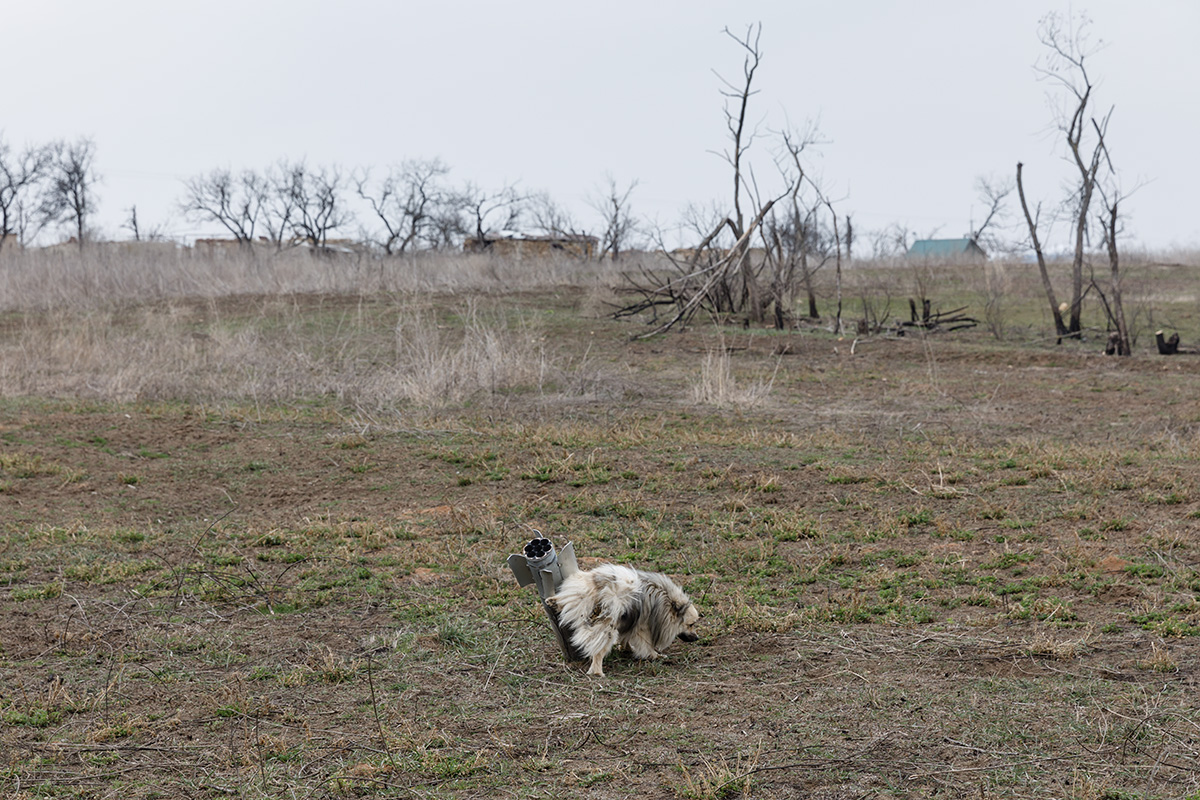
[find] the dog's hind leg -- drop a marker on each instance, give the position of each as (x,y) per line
(595,641)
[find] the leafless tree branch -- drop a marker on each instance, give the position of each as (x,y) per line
(21,176)
(406,202)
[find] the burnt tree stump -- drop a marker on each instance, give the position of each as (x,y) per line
(1168,346)
(926,311)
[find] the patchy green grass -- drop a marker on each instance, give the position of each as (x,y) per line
(952,582)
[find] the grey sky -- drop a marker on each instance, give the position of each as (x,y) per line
(916,99)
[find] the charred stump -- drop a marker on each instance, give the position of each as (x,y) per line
(1167,346)
(926,312)
(1113,346)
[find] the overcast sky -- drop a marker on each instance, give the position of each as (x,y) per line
(915,99)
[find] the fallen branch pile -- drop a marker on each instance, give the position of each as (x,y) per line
(719,286)
(930,320)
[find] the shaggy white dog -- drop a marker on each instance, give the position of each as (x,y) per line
(609,605)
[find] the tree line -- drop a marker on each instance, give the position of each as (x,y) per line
(46,185)
(409,206)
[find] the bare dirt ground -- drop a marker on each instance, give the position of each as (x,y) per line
(927,568)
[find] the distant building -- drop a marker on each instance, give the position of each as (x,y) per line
(517,246)
(965,248)
(217,244)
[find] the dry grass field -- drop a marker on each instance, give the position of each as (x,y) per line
(254,516)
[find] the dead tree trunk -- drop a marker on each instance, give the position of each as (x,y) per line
(736,123)
(1059,328)
(813,312)
(926,311)
(837,243)
(1117,311)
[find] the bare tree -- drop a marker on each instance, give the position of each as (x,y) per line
(1119,343)
(993,193)
(492,211)
(612,204)
(735,287)
(1068,48)
(309,202)
(1064,65)
(141,233)
(70,196)
(550,218)
(891,241)
(448,225)
(278,213)
(795,147)
(795,245)
(407,202)
(707,276)
(737,101)
(237,203)
(1120,338)
(698,220)
(131,224)
(21,174)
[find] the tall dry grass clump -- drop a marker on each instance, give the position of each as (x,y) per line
(716,385)
(137,272)
(434,367)
(284,353)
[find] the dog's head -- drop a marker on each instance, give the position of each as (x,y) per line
(688,616)
(681,613)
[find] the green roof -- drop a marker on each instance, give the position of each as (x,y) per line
(944,248)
